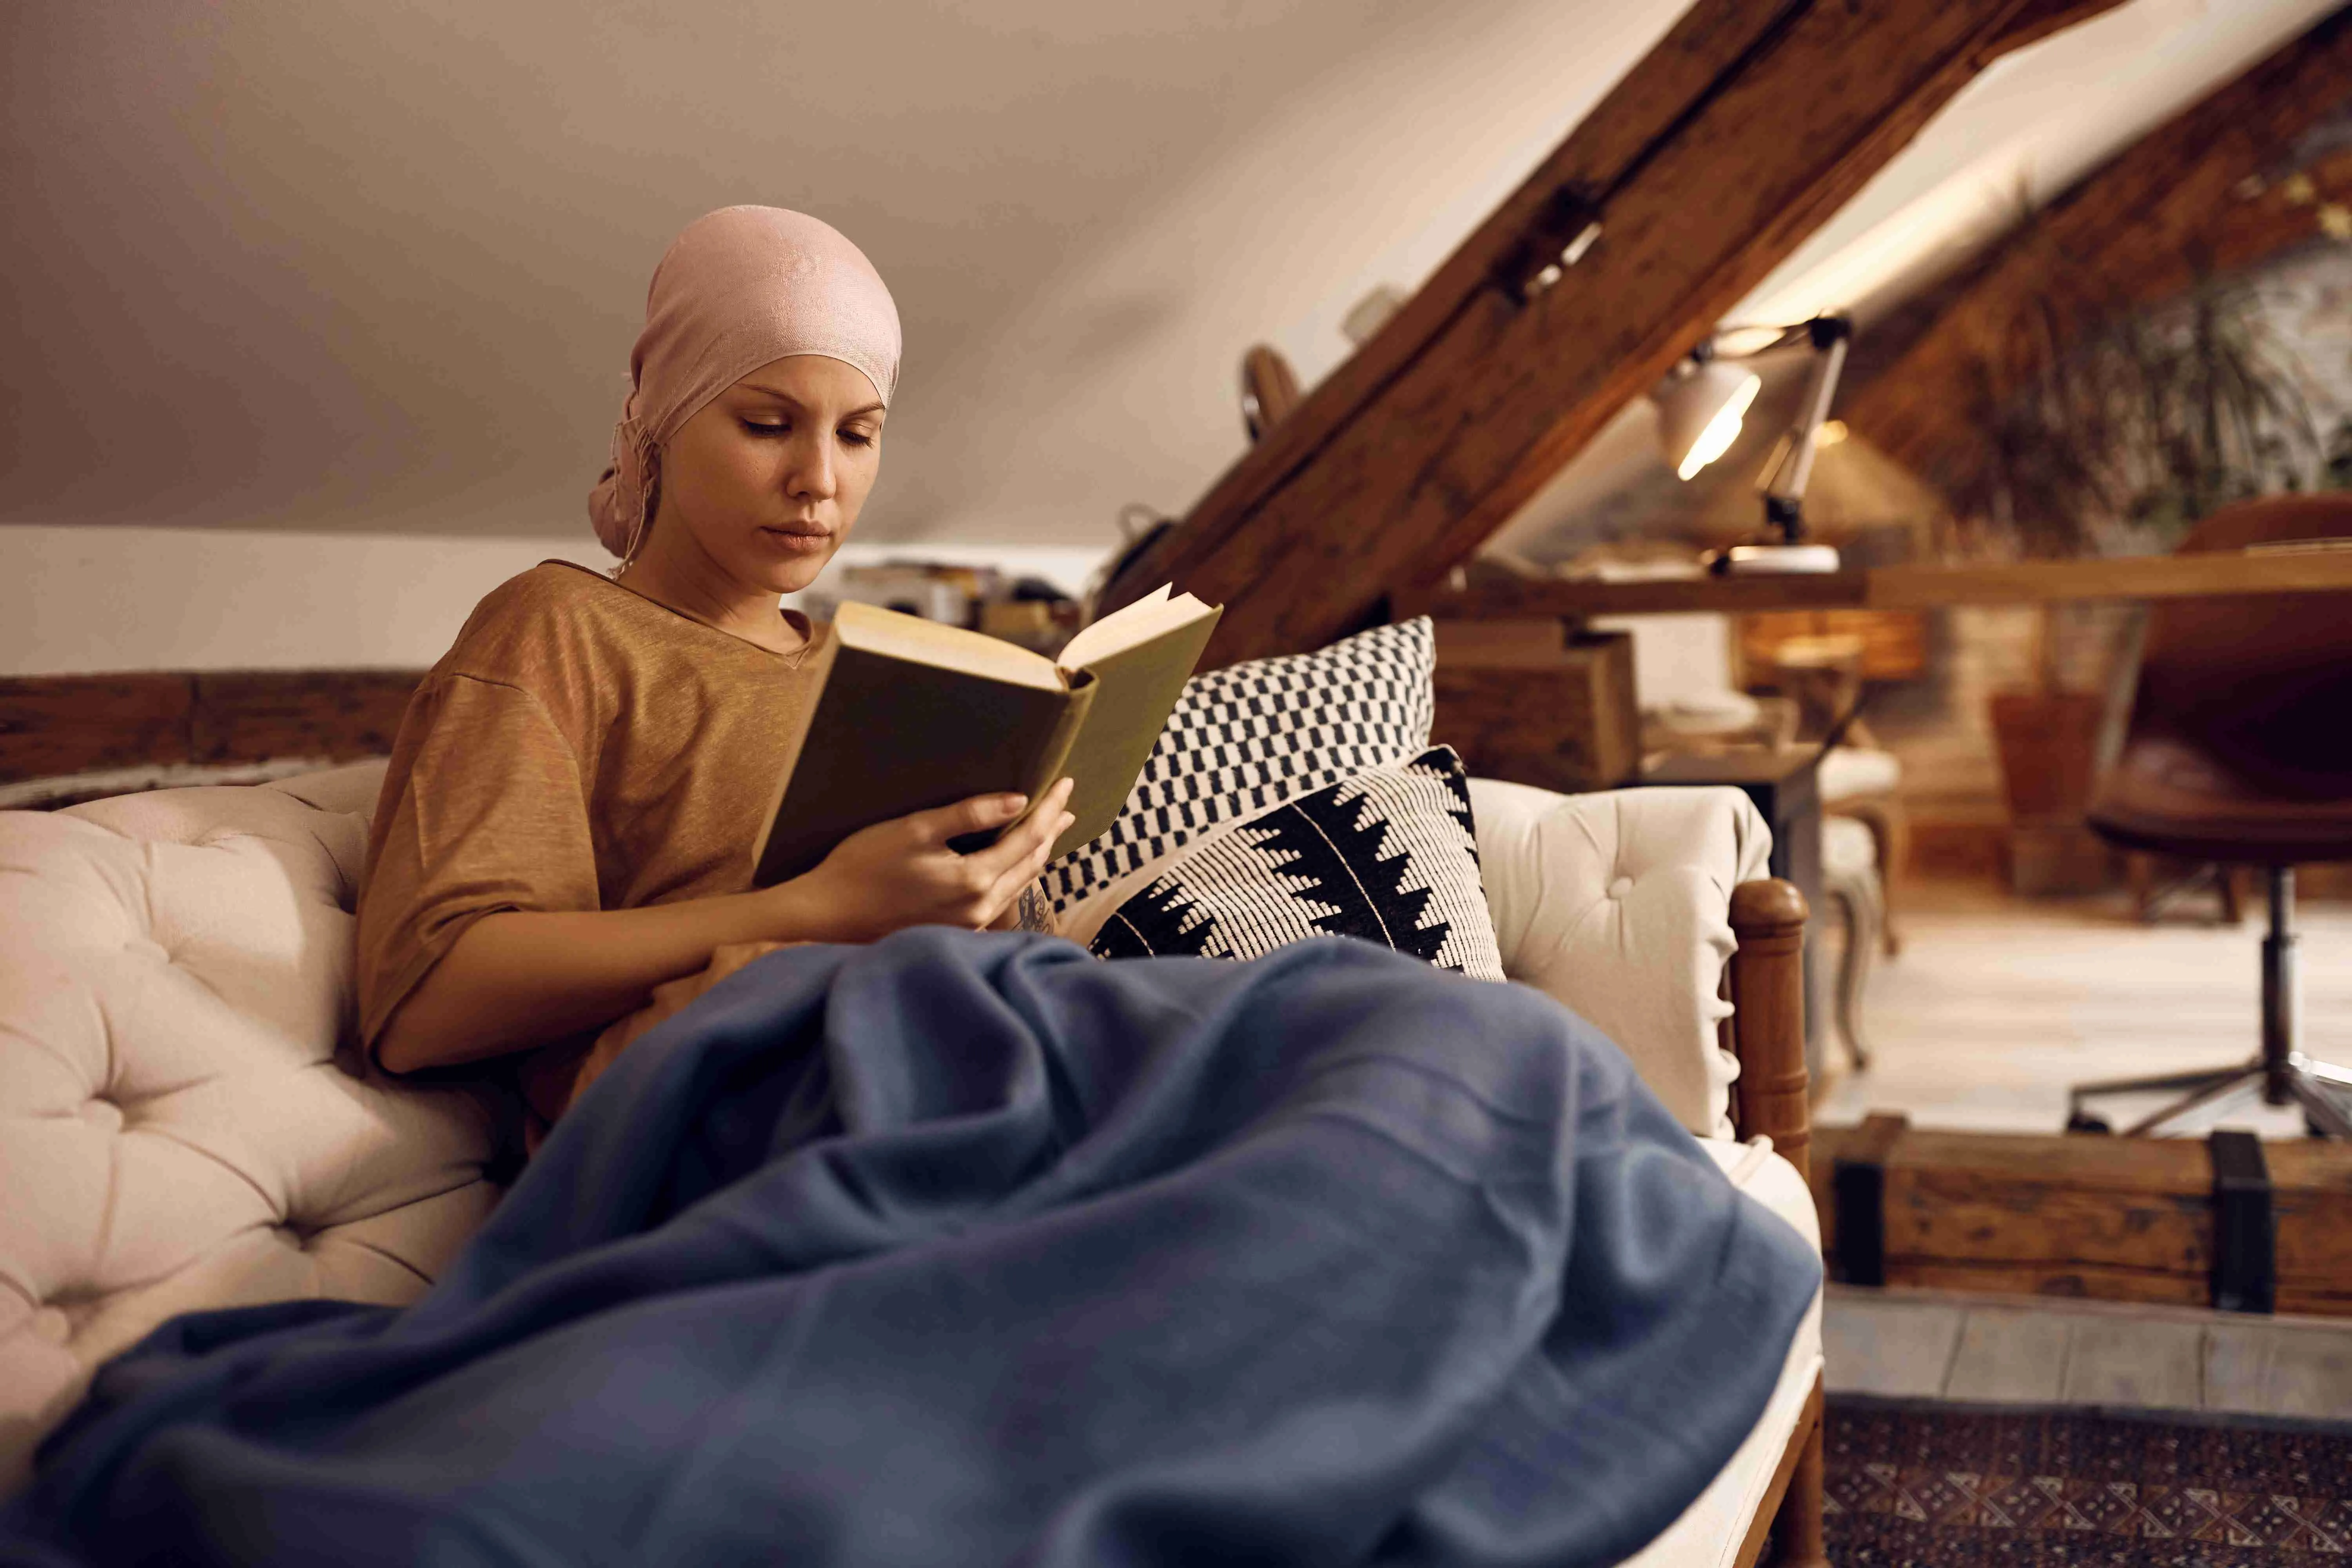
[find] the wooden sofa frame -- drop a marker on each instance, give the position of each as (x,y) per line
(1766,981)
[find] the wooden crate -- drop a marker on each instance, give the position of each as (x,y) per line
(2121,1219)
(1531,702)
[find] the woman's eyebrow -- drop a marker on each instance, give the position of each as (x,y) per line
(786,397)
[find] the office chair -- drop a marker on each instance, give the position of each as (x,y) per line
(2240,752)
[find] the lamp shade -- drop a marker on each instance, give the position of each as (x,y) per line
(1700,407)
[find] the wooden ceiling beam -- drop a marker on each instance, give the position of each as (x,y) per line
(1739,134)
(2202,191)
(2038,21)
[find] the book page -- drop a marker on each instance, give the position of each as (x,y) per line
(1153,616)
(1135,687)
(919,641)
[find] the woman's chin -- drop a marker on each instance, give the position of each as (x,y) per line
(789,563)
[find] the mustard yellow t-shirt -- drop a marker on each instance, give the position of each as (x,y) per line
(580,747)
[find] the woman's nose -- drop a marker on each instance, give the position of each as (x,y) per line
(811,475)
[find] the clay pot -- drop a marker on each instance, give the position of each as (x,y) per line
(2049,751)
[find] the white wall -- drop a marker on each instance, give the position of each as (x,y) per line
(85,600)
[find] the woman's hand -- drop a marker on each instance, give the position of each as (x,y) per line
(902,873)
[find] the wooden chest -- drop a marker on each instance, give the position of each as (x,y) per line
(2123,1220)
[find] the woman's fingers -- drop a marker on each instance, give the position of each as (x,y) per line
(1007,886)
(984,866)
(977,815)
(1044,825)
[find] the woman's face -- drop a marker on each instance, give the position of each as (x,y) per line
(767,477)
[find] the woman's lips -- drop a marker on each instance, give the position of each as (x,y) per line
(802,542)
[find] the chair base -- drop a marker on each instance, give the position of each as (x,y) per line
(2323,1090)
(2286,1075)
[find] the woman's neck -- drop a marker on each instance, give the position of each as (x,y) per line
(674,571)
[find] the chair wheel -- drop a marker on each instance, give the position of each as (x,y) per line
(2084,1121)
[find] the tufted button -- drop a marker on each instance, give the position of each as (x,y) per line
(50,1324)
(1620,887)
(102,1114)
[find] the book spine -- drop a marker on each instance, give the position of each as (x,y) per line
(1055,754)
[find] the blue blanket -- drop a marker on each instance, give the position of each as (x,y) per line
(970,1249)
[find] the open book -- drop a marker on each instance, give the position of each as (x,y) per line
(914,714)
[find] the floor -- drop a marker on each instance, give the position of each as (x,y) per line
(1998,1004)
(1924,1344)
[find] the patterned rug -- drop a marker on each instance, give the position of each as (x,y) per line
(1949,1486)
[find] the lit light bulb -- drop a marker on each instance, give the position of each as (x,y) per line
(1721,430)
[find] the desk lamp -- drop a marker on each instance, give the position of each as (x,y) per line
(1701,404)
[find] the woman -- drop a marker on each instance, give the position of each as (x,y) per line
(569,815)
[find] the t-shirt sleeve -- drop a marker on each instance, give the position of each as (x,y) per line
(484,808)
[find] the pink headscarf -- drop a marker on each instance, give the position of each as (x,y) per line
(740,288)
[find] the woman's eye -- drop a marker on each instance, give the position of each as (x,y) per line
(753,427)
(858,438)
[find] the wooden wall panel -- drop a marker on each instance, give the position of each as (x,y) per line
(255,715)
(51,725)
(54,727)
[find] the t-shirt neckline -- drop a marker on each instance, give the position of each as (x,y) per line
(793,618)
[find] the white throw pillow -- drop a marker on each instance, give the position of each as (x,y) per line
(1388,855)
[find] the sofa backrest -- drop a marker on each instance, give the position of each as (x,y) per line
(178,1129)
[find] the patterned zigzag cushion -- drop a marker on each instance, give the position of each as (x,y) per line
(1252,736)
(1390,856)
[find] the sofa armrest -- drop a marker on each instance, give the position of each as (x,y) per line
(1618,904)
(1766,1030)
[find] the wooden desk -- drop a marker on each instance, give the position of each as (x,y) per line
(1495,594)
(1785,784)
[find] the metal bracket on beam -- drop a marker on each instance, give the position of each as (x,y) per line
(1569,227)
(2245,1260)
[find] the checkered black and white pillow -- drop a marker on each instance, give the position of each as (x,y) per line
(1254,735)
(1389,855)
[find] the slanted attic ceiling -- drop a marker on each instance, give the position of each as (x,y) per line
(347,266)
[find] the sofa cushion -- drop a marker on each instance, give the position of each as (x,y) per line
(178,1129)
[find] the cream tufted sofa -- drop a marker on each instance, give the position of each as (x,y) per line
(178,1129)
(181,1127)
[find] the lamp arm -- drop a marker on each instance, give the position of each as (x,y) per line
(1784,486)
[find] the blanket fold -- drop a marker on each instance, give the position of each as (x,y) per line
(968,1248)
